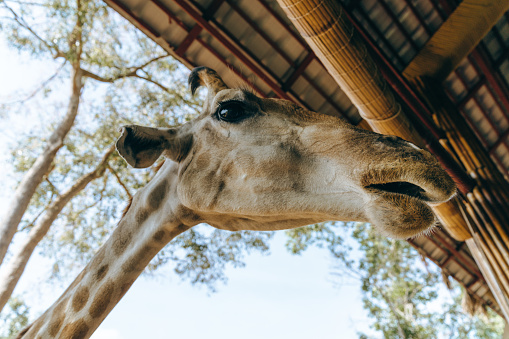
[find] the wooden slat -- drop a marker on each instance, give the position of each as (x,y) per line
(456,38)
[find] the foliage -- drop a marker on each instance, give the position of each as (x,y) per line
(200,255)
(321,235)
(16,319)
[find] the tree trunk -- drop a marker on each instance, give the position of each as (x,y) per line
(12,271)
(36,173)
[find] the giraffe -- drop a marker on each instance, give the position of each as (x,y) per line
(247,163)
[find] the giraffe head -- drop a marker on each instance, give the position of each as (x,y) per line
(266,164)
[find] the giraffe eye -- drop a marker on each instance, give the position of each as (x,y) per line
(231,111)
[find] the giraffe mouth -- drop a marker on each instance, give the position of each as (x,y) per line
(400,187)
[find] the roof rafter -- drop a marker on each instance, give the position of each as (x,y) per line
(456,38)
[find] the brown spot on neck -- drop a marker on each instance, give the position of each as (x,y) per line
(102,300)
(75,330)
(219,190)
(159,235)
(123,237)
(141,216)
(80,298)
(157,195)
(101,272)
(57,318)
(24,331)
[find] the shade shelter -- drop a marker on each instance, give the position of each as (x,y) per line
(434,72)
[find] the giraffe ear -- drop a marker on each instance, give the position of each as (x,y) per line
(141,146)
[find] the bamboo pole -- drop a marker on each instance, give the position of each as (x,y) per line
(491,279)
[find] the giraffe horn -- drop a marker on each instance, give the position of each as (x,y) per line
(204,76)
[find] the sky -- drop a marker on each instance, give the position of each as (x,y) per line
(275,296)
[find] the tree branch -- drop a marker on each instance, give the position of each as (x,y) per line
(55,189)
(23,24)
(132,72)
(91,75)
(136,68)
(166,89)
(29,3)
(41,86)
(120,181)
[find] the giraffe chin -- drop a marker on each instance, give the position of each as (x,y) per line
(400,216)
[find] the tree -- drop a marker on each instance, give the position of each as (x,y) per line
(16,319)
(14,269)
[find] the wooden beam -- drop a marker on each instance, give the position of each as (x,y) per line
(456,38)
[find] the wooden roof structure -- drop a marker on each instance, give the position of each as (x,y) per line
(436,72)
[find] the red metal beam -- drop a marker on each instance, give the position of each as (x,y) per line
(228,45)
(212,9)
(190,38)
(298,71)
(481,62)
(261,32)
(419,18)
(501,139)
(141,22)
(380,35)
(398,24)
(471,92)
(196,30)
(205,45)
(271,73)
(310,57)
(478,104)
(474,272)
(447,6)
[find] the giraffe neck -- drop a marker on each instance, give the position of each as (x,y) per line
(145,229)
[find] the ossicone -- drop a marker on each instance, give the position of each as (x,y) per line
(204,76)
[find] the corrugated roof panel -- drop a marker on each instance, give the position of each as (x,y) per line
(501,152)
(503,29)
(428,13)
(271,26)
(504,70)
(227,17)
(493,46)
(455,88)
(468,73)
(492,109)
